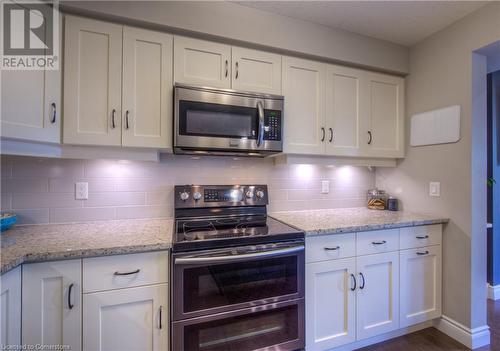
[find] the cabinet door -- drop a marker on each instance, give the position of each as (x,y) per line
(304,91)
(254,70)
(386,115)
(378,294)
(201,62)
(420,285)
(147,88)
(92,82)
(10,308)
(343,96)
(330,304)
(126,319)
(51,301)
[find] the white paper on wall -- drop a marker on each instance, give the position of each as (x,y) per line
(440,126)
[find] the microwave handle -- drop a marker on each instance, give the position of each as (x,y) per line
(260,130)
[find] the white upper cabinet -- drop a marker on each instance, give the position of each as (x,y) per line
(147,88)
(201,62)
(92,82)
(257,71)
(343,99)
(330,304)
(304,91)
(385,112)
(51,300)
(10,309)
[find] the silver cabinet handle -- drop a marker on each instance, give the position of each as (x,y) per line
(236,258)
(70,290)
(331,134)
(379,242)
(332,248)
(362,286)
(126,119)
(160,323)
(422,237)
(237,71)
(127,273)
(322,134)
(227,69)
(369,137)
(422,253)
(113,118)
(260,129)
(53,119)
(353,280)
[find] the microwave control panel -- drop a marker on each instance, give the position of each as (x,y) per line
(272,121)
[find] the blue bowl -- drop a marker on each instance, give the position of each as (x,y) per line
(7,221)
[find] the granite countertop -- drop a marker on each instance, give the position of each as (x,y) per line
(344,220)
(35,243)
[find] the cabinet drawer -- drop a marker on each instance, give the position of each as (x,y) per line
(328,247)
(123,271)
(426,235)
(377,241)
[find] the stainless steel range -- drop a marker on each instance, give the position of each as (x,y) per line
(237,274)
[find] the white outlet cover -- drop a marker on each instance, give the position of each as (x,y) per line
(325,186)
(81,190)
(435,189)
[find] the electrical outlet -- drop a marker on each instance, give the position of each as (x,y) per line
(435,189)
(81,190)
(325,186)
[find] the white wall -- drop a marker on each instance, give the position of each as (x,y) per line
(42,190)
(441,75)
(242,24)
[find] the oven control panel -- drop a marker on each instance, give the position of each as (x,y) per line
(272,122)
(201,196)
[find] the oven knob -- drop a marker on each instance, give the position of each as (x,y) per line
(184,196)
(260,194)
(249,194)
(196,196)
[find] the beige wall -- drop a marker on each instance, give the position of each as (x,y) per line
(441,75)
(247,25)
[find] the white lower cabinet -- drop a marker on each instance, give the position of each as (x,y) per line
(126,319)
(330,303)
(10,309)
(420,285)
(51,304)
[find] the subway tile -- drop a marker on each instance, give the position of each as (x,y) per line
(5,166)
(118,169)
(67,215)
(120,198)
(33,216)
(44,200)
(60,185)
(27,167)
(25,185)
(6,201)
(142,184)
(133,212)
(160,198)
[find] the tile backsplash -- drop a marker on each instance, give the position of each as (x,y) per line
(42,190)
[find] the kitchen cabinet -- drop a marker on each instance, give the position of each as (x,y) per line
(51,303)
(92,82)
(377,298)
(343,111)
(330,304)
(126,319)
(420,285)
(10,308)
(201,62)
(385,113)
(147,88)
(304,91)
(255,70)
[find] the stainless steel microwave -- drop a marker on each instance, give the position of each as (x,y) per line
(227,122)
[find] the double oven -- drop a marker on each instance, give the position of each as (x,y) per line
(243,298)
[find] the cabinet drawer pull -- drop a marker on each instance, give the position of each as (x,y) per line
(353,280)
(53,119)
(70,290)
(422,253)
(227,69)
(160,324)
(237,71)
(362,286)
(332,248)
(331,135)
(369,137)
(126,119)
(423,237)
(113,118)
(379,242)
(127,273)
(322,134)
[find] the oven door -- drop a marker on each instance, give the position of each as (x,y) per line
(278,326)
(215,281)
(226,121)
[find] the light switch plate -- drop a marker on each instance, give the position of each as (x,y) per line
(325,186)
(435,189)
(81,190)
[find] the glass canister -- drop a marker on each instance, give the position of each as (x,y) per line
(376,199)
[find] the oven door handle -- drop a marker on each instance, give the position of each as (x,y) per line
(236,258)
(260,130)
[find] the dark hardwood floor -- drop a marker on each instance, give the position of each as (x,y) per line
(433,340)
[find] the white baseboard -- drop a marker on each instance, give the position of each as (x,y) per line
(472,338)
(493,292)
